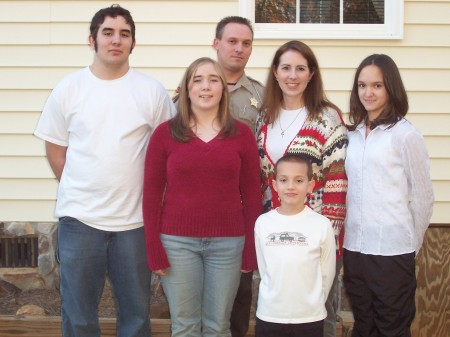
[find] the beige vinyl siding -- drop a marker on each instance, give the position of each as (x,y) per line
(43,41)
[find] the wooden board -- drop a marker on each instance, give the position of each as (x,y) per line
(433,285)
(14,326)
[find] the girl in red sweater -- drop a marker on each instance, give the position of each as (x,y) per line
(201,200)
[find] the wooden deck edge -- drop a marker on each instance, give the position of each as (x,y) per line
(50,326)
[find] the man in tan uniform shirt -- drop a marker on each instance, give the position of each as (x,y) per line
(233,43)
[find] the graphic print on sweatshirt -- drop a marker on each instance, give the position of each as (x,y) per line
(286,239)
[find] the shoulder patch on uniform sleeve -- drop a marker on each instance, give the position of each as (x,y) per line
(255,81)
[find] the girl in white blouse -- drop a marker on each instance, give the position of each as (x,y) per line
(389,201)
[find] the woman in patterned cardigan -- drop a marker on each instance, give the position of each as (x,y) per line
(297,118)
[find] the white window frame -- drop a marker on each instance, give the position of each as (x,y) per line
(391,29)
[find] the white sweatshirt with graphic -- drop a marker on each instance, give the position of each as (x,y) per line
(296,261)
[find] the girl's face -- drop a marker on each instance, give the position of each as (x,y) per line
(371,91)
(205,89)
(293,75)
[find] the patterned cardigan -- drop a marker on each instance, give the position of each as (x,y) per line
(324,141)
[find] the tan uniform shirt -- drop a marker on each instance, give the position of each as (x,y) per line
(245,100)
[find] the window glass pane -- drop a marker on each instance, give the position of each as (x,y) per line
(364,11)
(275,11)
(319,11)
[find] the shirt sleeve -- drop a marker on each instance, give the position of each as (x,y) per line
(328,260)
(259,250)
(165,109)
(249,183)
(335,178)
(52,125)
(416,163)
(155,178)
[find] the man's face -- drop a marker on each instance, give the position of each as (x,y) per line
(234,48)
(114,42)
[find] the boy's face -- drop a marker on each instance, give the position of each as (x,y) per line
(292,184)
(113,43)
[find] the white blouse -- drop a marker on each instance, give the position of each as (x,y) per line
(390,195)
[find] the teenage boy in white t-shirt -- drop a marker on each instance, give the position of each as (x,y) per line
(295,248)
(96,125)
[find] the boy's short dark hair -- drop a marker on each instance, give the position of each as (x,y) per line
(296,158)
(113,12)
(232,19)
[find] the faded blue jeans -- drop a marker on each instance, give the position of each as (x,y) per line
(201,283)
(86,255)
(332,304)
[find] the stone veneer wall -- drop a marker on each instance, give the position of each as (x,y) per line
(46,275)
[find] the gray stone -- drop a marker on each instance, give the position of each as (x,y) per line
(44,244)
(46,264)
(46,227)
(54,237)
(19,229)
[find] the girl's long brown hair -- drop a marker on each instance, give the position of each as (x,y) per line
(180,125)
(397,105)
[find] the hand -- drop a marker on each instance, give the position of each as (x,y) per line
(246,271)
(160,272)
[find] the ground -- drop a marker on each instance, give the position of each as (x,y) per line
(12,298)
(50,301)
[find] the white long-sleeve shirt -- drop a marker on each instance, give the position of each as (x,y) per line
(296,262)
(390,196)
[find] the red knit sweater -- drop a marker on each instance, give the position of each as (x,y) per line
(201,189)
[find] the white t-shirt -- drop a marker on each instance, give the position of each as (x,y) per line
(296,261)
(106,126)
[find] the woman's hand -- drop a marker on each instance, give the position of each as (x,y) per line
(160,272)
(245,271)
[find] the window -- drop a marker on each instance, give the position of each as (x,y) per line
(325,19)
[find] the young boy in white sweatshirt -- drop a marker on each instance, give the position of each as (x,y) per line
(295,248)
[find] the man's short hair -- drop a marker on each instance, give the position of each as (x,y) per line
(232,19)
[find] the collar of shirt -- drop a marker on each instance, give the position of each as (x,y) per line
(362,127)
(243,82)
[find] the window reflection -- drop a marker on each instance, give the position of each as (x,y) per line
(320,11)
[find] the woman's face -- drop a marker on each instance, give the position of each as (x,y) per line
(293,75)
(205,89)
(371,91)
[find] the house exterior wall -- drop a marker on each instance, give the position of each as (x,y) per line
(42,41)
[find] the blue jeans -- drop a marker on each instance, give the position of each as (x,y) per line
(86,256)
(201,283)
(332,304)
